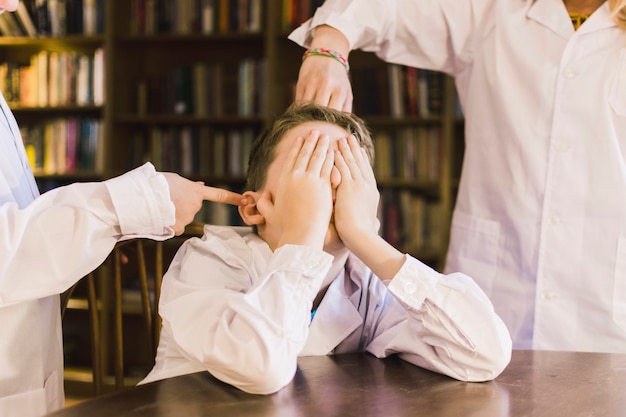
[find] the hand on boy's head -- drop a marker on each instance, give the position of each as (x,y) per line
(302,204)
(357,196)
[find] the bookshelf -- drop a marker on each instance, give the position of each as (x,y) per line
(188,84)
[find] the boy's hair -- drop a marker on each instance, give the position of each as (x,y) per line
(262,152)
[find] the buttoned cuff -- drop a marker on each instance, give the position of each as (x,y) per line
(413,282)
(311,264)
(142,203)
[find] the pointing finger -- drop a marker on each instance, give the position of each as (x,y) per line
(220,195)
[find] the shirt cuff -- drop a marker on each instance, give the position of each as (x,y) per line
(311,264)
(303,35)
(413,282)
(142,203)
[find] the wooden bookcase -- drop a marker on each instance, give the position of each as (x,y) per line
(189,96)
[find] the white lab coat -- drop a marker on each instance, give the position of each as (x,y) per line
(46,245)
(235,308)
(540,219)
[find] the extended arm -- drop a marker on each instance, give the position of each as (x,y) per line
(439,35)
(68,232)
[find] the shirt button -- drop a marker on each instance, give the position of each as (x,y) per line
(410,288)
(569,73)
(555,219)
(562,146)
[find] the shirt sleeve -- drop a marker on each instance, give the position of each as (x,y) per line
(431,34)
(245,327)
(69,231)
(450,327)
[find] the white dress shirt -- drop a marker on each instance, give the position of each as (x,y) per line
(540,218)
(47,243)
(235,308)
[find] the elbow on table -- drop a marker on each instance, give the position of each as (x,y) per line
(491,362)
(265,379)
(494,366)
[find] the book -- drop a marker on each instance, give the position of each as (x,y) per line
(183,90)
(90,17)
(83,85)
(187,165)
(9,25)
(200,93)
(98,77)
(71,144)
(42,64)
(58,23)
(207,20)
(74,17)
(42,17)
(396,104)
(25,19)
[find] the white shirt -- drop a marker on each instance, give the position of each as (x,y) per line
(233,307)
(46,245)
(540,219)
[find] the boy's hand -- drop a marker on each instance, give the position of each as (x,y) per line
(302,205)
(357,196)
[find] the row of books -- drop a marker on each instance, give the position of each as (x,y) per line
(54,18)
(195,151)
(61,146)
(149,17)
(397,90)
(412,153)
(55,79)
(296,12)
(408,153)
(410,222)
(205,89)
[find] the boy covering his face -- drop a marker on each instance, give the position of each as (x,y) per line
(315,278)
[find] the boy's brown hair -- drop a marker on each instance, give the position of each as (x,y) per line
(262,152)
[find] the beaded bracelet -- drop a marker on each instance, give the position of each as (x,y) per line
(329,53)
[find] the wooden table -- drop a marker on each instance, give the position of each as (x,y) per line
(536,383)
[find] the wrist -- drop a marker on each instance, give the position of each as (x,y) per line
(328,53)
(328,37)
(375,252)
(357,238)
(312,237)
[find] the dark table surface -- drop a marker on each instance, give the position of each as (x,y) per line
(536,383)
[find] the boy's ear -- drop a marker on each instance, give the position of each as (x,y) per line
(248,210)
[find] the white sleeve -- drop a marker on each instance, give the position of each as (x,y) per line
(69,231)
(431,34)
(245,328)
(451,328)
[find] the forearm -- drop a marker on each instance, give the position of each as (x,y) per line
(236,341)
(328,37)
(246,330)
(424,34)
(452,323)
(381,257)
(68,232)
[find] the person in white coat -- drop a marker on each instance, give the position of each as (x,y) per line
(540,218)
(48,242)
(316,278)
